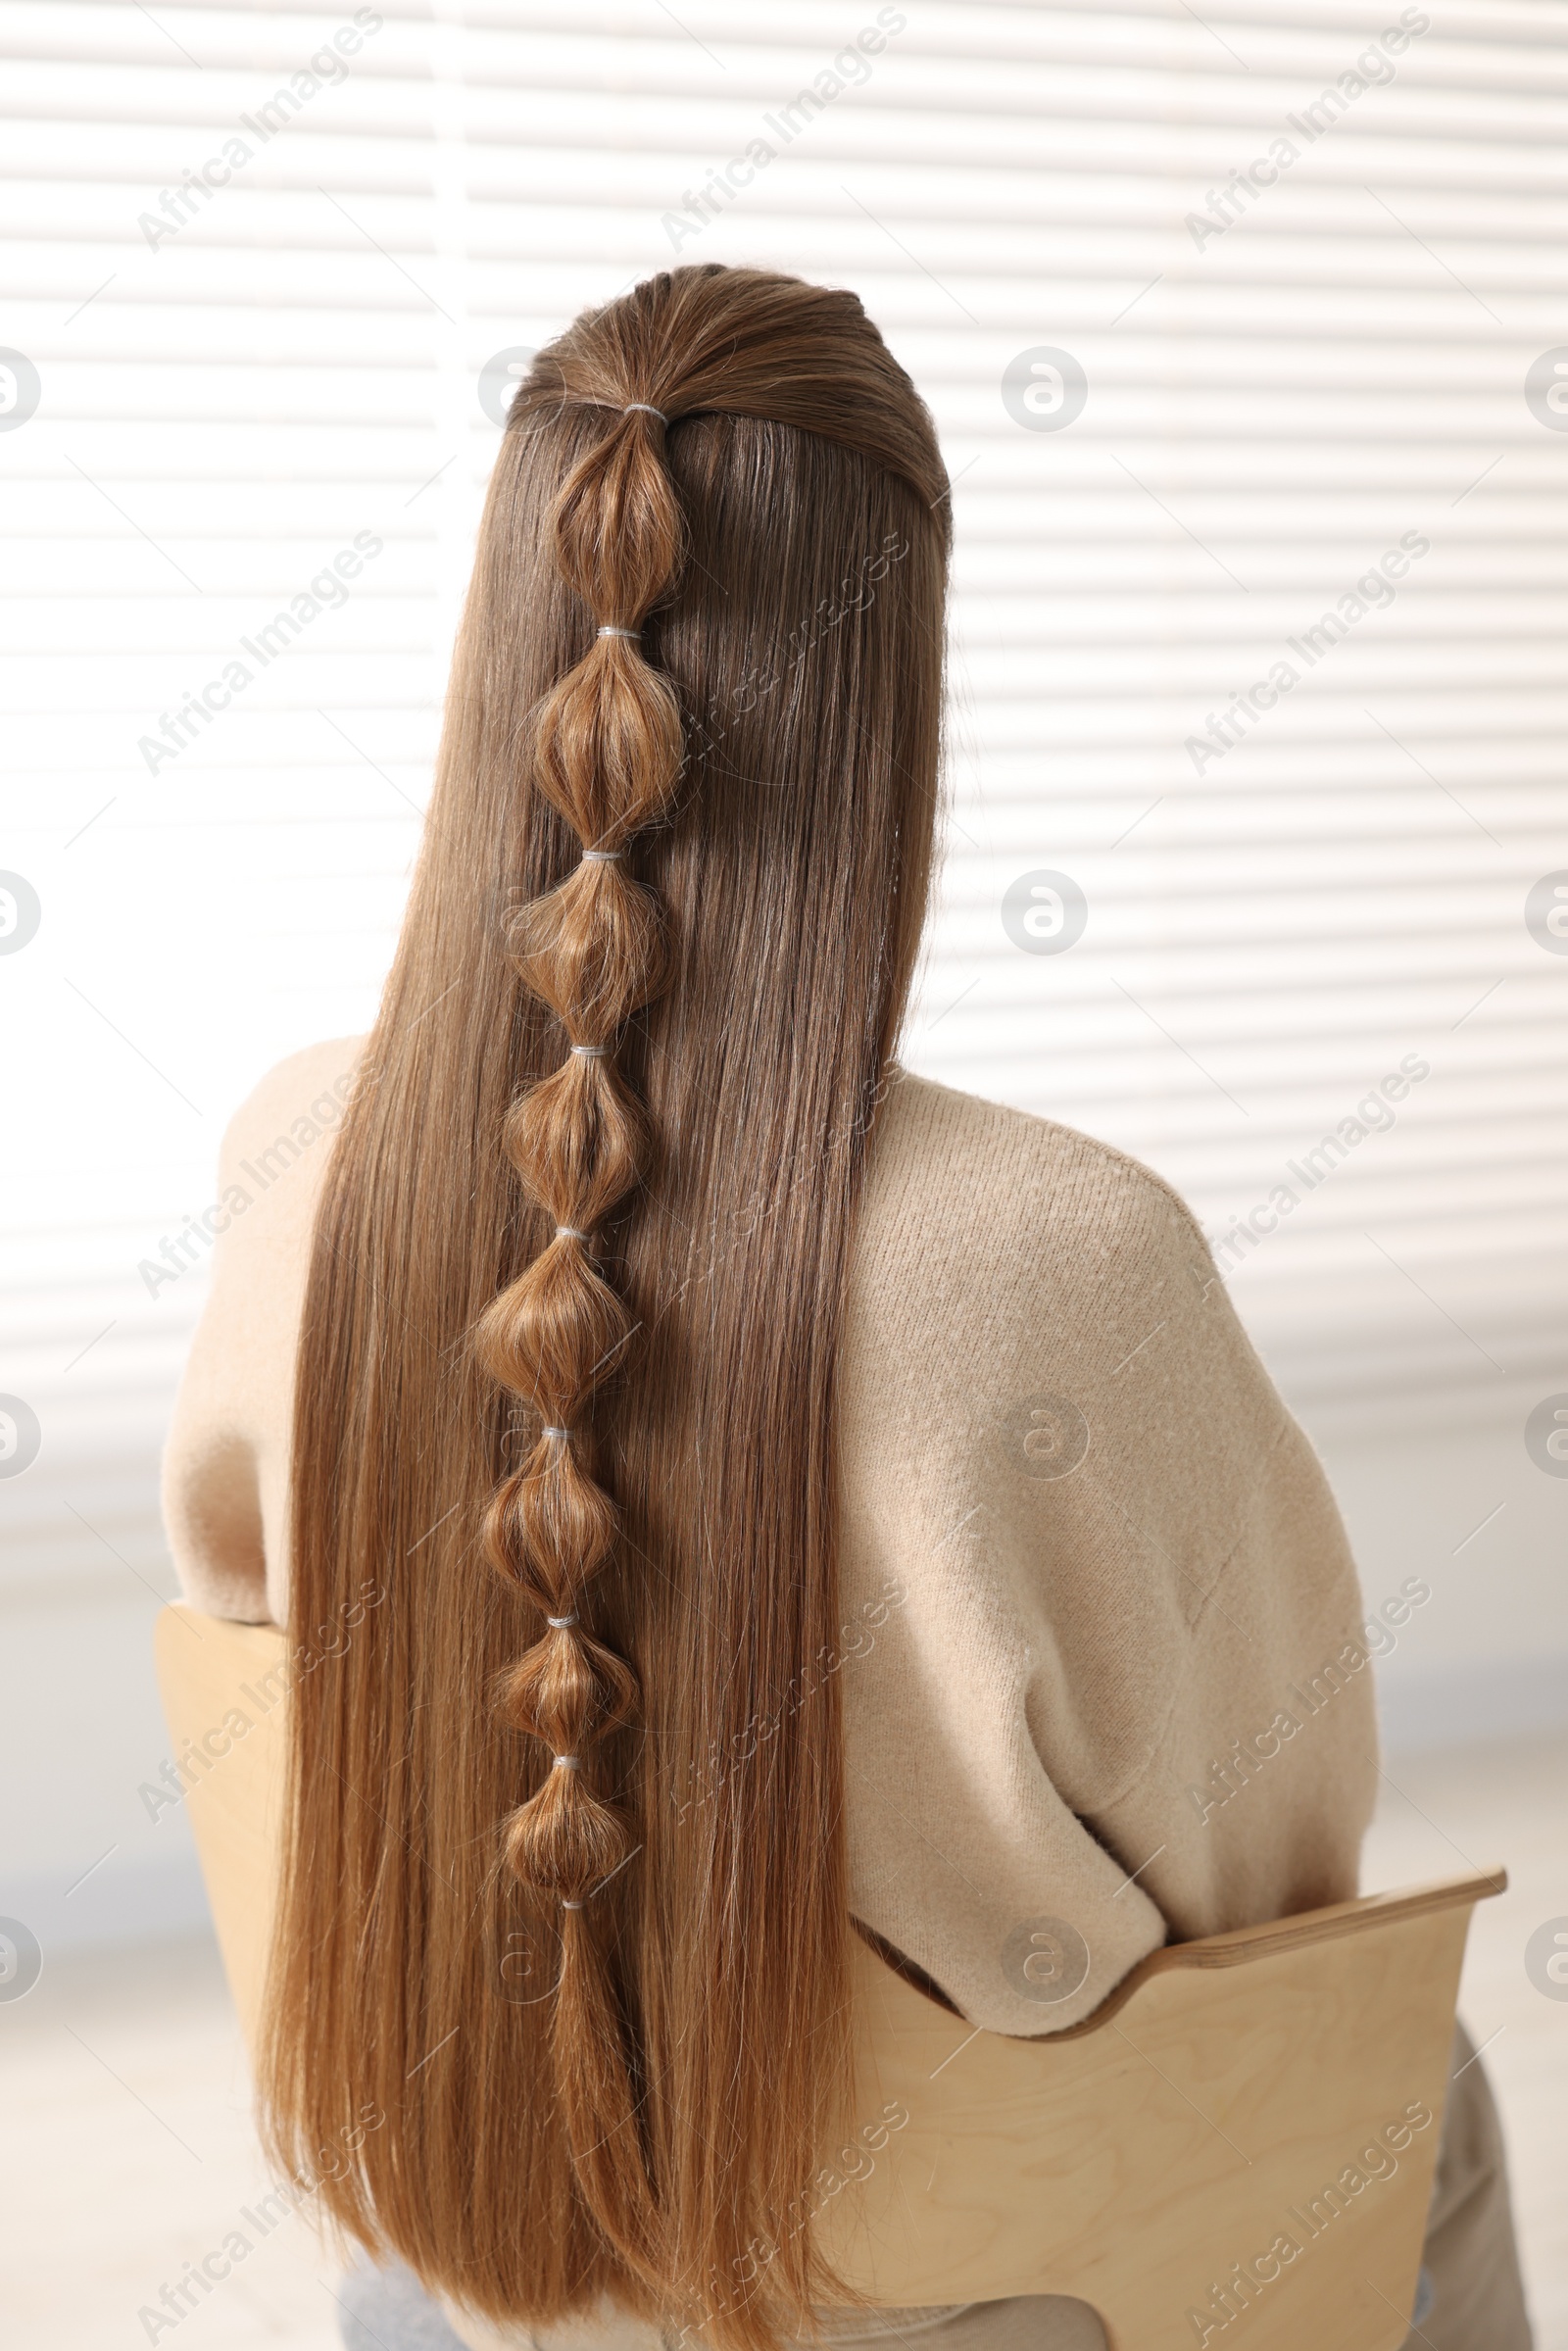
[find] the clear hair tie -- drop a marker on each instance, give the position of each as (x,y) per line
(569,1232)
(599,856)
(566,1763)
(591,1053)
(619,632)
(550,1432)
(561,1622)
(647,408)
(565,1905)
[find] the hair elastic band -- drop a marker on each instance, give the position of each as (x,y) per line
(619,632)
(550,1432)
(599,856)
(647,407)
(565,1905)
(566,1763)
(569,1232)
(561,1622)
(591,1053)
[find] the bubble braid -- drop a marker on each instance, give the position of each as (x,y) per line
(609,750)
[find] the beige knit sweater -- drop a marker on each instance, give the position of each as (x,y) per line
(1103,1667)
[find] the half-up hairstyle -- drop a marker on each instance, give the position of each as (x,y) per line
(560,1976)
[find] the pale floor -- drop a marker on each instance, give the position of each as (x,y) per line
(126,2149)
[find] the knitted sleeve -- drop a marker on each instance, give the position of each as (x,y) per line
(1122,1682)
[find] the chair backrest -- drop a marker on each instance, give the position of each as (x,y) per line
(1245,2129)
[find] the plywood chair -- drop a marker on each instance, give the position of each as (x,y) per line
(1238,2145)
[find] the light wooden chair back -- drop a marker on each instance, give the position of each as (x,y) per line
(1244,2131)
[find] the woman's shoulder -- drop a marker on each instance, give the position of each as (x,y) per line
(989,1237)
(299,1100)
(275,1152)
(974,1173)
(956,1185)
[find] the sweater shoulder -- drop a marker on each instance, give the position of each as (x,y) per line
(981,1170)
(274,1157)
(308,1089)
(993,1239)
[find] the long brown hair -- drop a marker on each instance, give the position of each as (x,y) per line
(564,1905)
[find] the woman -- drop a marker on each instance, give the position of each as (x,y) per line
(773,1496)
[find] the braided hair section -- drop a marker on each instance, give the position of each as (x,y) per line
(607,752)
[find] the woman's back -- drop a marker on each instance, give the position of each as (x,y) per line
(1099,1619)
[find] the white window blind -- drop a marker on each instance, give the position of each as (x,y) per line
(1219,314)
